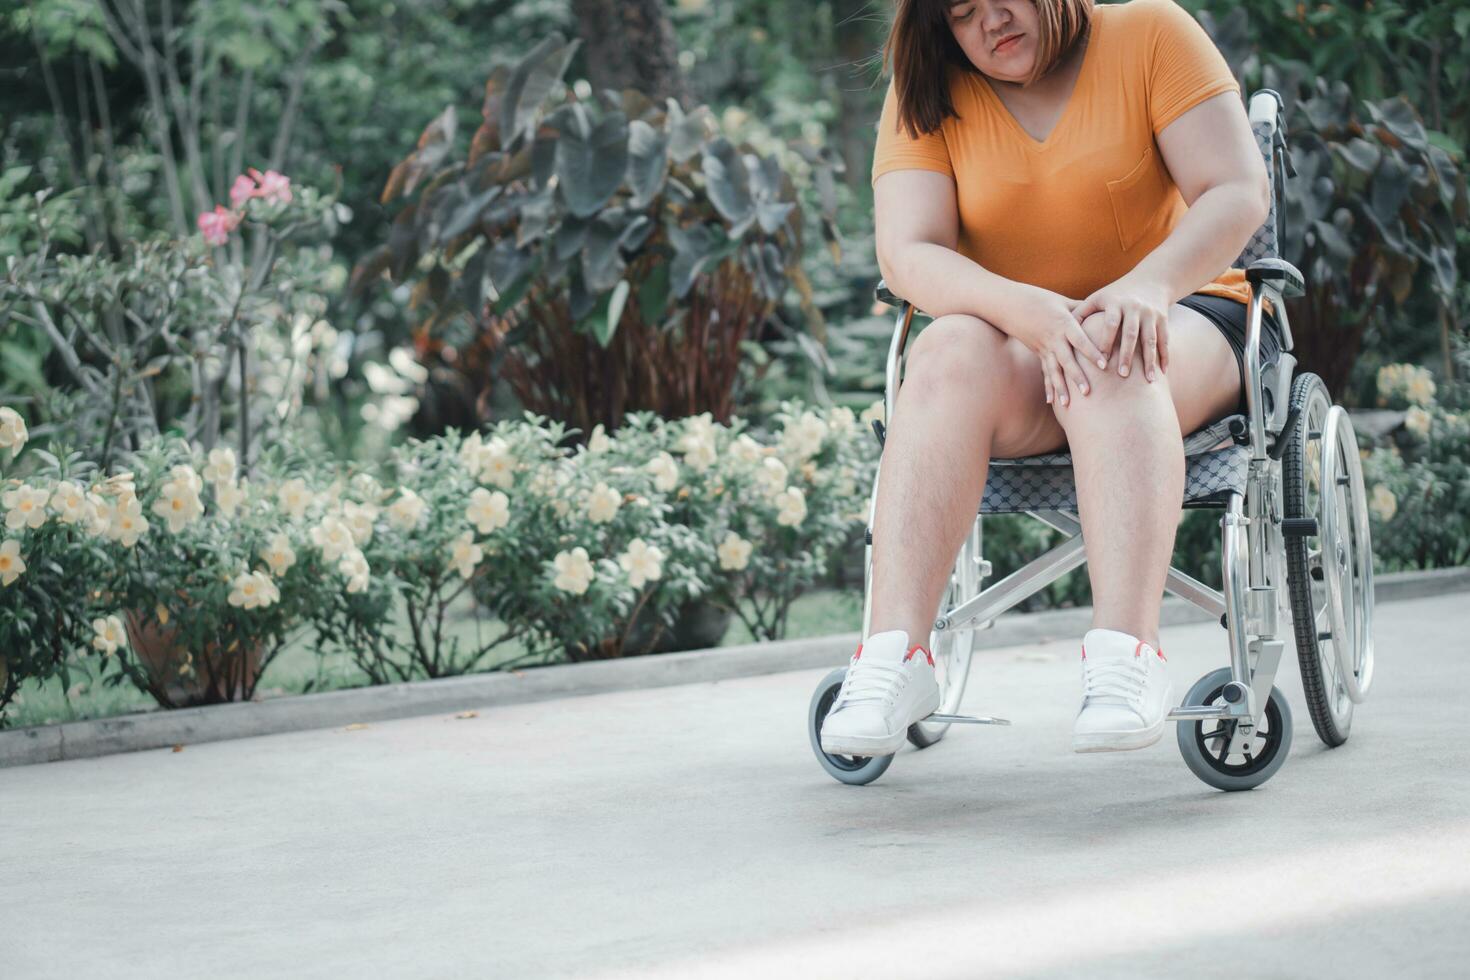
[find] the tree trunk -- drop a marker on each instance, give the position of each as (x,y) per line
(630,44)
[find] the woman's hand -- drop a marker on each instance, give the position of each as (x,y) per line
(1141,308)
(1046,325)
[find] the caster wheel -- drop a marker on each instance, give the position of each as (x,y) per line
(855,770)
(1205,744)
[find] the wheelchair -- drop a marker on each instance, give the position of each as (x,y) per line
(1294,538)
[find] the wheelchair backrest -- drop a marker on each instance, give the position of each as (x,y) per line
(1269,124)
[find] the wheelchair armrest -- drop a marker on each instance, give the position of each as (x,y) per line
(886,295)
(1280,273)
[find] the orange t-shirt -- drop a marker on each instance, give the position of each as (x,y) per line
(1081,208)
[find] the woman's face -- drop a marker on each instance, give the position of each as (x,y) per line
(980,25)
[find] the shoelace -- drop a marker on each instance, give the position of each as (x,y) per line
(871,680)
(1115,681)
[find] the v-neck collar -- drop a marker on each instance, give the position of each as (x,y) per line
(1070,109)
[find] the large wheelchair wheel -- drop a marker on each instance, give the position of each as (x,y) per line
(1329,558)
(952,649)
(856,770)
(1205,744)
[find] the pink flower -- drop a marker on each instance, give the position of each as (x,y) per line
(273,186)
(216,225)
(241,191)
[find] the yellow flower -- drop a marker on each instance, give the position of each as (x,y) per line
(69,501)
(465,555)
(11,563)
(13,433)
(665,470)
(333,537)
(221,466)
(1383,504)
(603,504)
(354,565)
(108,634)
(734,552)
(294,497)
(25,507)
(279,554)
(488,511)
(407,510)
(642,561)
(792,506)
(573,571)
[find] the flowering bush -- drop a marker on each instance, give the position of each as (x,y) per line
(1419,489)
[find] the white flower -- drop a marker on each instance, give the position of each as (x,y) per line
(178,502)
(11,563)
(1420,388)
(772,476)
(842,417)
(1384,504)
(359,520)
(1417,421)
(872,413)
(792,504)
(746,449)
(734,552)
(279,554)
(598,442)
(488,511)
(465,554)
(803,436)
(221,466)
(25,507)
(701,456)
(69,501)
(126,522)
(294,497)
(698,442)
(108,634)
(228,497)
(489,462)
(333,537)
(252,590)
(183,474)
(354,565)
(573,571)
(665,470)
(97,514)
(642,561)
(13,433)
(603,504)
(406,512)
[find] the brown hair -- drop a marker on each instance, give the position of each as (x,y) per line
(921,51)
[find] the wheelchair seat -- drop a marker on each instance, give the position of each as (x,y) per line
(1045,482)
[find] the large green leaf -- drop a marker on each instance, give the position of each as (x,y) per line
(530,83)
(602,263)
(591,170)
(726,181)
(604,330)
(648,162)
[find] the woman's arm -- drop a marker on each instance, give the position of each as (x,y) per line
(1212,156)
(916,222)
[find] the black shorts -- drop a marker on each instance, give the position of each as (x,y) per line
(1229,316)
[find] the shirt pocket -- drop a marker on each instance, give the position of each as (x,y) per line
(1137,197)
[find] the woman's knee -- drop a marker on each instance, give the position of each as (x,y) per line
(956,352)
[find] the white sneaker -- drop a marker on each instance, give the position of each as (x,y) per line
(1126,693)
(889,685)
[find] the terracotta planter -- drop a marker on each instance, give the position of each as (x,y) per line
(162,655)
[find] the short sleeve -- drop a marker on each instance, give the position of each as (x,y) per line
(1185,67)
(897,150)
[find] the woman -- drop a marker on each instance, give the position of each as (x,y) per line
(1060,186)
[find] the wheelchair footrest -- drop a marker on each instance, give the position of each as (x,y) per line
(1199,712)
(964,720)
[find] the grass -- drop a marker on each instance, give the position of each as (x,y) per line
(299,668)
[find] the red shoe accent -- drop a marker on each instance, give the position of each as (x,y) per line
(1084,651)
(859,652)
(1139,647)
(927,655)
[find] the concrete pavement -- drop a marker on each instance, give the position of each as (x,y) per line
(688,831)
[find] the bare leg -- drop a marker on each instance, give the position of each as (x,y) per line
(1127,452)
(969,392)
